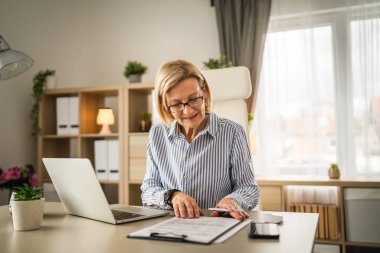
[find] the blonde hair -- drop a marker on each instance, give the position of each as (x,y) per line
(168,76)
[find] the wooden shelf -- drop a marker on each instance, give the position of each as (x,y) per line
(113,135)
(54,136)
(339,242)
(273,198)
(363,244)
(108,181)
(50,144)
(135,182)
(138,100)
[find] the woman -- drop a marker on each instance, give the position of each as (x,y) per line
(195,159)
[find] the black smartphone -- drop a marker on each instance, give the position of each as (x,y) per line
(264,231)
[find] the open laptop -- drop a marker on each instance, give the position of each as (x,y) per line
(81,194)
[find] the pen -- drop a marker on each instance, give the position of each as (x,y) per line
(218,209)
(221,211)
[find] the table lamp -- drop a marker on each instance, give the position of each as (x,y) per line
(105,117)
(12,62)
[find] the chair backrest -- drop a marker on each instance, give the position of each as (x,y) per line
(229,87)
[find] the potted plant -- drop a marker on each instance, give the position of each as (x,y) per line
(27,207)
(334,172)
(39,85)
(218,63)
(134,70)
(145,121)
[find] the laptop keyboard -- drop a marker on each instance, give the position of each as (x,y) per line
(121,215)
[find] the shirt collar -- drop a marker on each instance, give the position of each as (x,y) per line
(211,126)
(174,129)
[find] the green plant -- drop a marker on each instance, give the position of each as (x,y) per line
(39,81)
(26,193)
(134,68)
(334,166)
(218,63)
(145,116)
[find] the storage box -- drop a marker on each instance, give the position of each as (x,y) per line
(326,248)
(362,209)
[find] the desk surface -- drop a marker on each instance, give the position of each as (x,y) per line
(66,233)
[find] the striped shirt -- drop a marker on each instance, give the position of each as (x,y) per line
(216,164)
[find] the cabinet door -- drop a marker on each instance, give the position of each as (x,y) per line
(271,198)
(137,157)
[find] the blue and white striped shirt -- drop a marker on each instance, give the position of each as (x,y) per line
(216,164)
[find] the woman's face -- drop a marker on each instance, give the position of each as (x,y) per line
(186,91)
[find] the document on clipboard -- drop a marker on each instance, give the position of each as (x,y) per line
(203,230)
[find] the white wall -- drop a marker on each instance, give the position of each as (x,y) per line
(88,42)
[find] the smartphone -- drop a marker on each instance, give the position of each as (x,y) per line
(264,231)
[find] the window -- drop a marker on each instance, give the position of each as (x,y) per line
(314,108)
(365,39)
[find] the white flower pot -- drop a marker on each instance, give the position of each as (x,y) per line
(51,82)
(27,215)
(134,78)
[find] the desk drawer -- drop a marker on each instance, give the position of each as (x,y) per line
(137,169)
(137,146)
(271,198)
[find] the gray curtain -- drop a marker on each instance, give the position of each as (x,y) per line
(242,27)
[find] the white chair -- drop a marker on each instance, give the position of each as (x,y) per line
(229,87)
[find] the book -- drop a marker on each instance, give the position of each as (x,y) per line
(314,209)
(321,222)
(325,210)
(333,222)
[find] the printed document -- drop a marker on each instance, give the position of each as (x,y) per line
(200,230)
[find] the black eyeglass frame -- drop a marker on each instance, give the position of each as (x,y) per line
(184,104)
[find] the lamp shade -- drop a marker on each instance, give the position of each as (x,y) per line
(105,116)
(12,62)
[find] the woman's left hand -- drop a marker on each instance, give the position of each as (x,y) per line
(235,210)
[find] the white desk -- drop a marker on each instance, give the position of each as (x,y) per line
(66,233)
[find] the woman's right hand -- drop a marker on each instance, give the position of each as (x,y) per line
(185,206)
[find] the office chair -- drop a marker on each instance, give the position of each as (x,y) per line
(229,87)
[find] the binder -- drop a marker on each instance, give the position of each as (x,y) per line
(113,159)
(307,208)
(62,115)
(73,115)
(67,115)
(202,230)
(101,159)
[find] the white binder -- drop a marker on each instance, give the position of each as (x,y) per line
(101,159)
(62,115)
(74,115)
(113,159)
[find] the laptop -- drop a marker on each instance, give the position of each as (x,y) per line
(81,194)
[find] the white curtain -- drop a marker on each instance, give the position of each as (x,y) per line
(319,96)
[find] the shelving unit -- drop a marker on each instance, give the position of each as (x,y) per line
(81,145)
(273,198)
(138,100)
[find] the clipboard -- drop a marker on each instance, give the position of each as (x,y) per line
(202,230)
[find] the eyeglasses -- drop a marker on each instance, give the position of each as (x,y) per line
(193,103)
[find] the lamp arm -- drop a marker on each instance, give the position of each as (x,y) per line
(3,44)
